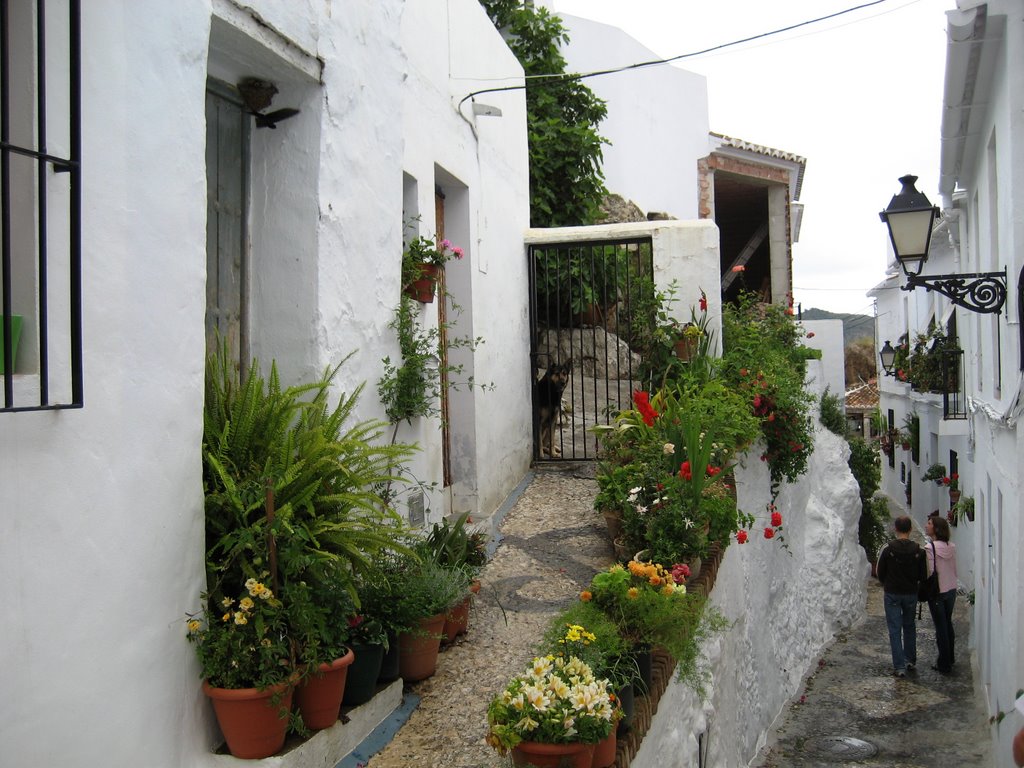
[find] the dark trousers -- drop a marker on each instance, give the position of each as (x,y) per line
(941,609)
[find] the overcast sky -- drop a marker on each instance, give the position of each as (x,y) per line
(859,96)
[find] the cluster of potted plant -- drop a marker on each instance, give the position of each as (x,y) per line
(300,536)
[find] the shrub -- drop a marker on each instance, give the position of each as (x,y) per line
(832,414)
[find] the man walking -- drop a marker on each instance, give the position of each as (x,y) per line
(901,566)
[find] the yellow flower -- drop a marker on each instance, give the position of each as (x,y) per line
(668,590)
(265,642)
(655,581)
(227,602)
(265,594)
(254,587)
(226,616)
(246,604)
(637,569)
(586,596)
(240,618)
(193,625)
(633,593)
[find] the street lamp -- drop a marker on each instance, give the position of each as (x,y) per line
(888,356)
(910,217)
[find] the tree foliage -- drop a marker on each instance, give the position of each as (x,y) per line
(566,179)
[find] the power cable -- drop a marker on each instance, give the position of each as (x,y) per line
(656,62)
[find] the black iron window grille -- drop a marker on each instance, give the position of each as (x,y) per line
(40,206)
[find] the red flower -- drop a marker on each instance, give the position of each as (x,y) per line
(642,401)
(739,268)
(680,573)
(776,519)
(789,311)
(741,537)
(712,471)
(810,335)
(355,621)
(703,302)
(744,371)
(769,533)
(685,472)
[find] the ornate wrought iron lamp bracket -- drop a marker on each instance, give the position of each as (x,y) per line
(983,292)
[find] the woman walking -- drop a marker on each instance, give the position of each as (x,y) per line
(942,558)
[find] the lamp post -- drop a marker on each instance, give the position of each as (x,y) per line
(910,217)
(888,357)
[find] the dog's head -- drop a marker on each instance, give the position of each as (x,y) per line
(558,373)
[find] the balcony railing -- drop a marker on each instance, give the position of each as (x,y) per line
(953,396)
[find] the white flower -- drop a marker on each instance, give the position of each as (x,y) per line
(526,725)
(688,523)
(536,698)
(668,449)
(641,509)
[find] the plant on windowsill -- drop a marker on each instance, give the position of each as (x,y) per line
(422,260)
(935,473)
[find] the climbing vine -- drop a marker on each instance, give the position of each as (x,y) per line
(566,178)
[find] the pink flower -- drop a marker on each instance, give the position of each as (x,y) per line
(741,537)
(458,255)
(739,268)
(446,244)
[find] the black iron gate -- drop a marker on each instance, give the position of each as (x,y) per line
(590,304)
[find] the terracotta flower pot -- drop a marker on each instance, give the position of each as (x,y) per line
(604,751)
(319,696)
(253,721)
(417,651)
(534,753)
(422,289)
(456,621)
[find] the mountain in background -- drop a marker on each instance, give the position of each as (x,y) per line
(855,327)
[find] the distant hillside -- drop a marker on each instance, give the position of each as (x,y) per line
(855,327)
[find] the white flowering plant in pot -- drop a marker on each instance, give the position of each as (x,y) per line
(558,700)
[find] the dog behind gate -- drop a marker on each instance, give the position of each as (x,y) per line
(548,399)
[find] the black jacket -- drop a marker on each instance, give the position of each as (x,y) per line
(901,565)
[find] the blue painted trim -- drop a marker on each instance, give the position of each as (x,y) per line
(382,735)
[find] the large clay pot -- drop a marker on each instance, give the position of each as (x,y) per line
(417,650)
(604,751)
(253,721)
(318,697)
(361,683)
(534,753)
(456,620)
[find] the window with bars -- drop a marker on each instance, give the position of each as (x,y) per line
(40,205)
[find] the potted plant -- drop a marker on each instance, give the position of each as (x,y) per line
(936,472)
(369,640)
(417,593)
(422,260)
(952,482)
(326,654)
(583,630)
(555,711)
(453,545)
(248,666)
(964,508)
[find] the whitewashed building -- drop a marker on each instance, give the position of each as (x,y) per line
(980,176)
(149,168)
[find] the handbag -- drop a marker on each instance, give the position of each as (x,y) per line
(928,589)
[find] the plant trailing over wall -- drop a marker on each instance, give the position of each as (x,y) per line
(832,415)
(763,358)
(566,180)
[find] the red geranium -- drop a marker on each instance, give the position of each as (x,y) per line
(769,533)
(703,302)
(776,519)
(741,537)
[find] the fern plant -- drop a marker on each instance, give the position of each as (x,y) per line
(292,487)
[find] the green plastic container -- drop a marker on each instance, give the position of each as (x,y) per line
(16,335)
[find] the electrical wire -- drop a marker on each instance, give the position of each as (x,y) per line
(568,77)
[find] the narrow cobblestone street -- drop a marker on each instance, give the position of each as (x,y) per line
(852,711)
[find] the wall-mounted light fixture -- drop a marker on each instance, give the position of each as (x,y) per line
(486,110)
(888,356)
(910,217)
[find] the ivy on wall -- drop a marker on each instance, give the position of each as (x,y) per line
(566,178)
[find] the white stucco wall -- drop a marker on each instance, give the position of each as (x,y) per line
(828,337)
(102,532)
(657,122)
(785,605)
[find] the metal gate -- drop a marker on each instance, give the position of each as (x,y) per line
(590,302)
